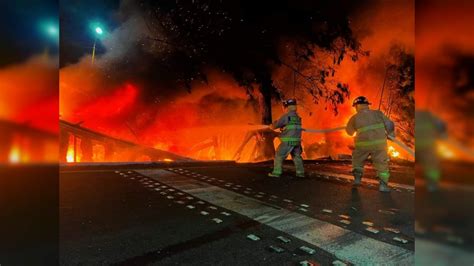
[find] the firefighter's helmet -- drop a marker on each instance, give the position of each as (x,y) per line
(360,100)
(289,102)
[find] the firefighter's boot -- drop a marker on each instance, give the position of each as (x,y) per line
(273,175)
(383,187)
(357,177)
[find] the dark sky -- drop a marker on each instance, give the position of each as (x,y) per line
(76,16)
(20,29)
(242,37)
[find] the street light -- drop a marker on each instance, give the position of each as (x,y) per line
(49,30)
(52,30)
(98,32)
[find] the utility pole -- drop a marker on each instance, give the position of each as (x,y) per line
(383,87)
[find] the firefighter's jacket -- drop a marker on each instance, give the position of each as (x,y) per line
(290,124)
(371,128)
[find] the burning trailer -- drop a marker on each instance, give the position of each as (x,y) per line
(80,144)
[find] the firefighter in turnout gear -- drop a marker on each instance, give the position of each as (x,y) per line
(371,128)
(290,126)
(429,129)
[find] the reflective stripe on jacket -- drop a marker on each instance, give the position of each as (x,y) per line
(370,128)
(290,123)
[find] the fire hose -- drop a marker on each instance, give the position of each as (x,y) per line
(323,130)
(327,130)
(391,138)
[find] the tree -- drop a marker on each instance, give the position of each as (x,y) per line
(244,38)
(398,103)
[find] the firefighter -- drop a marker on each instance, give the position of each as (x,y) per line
(428,129)
(290,126)
(372,128)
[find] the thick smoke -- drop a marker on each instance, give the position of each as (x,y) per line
(445,65)
(155,108)
(28,92)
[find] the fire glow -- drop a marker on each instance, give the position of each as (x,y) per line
(392,152)
(211,121)
(15,155)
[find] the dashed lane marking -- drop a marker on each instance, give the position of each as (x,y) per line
(342,243)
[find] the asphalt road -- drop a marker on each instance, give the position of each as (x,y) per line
(29,217)
(134,217)
(202,214)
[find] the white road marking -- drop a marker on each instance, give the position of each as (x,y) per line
(344,244)
(370,182)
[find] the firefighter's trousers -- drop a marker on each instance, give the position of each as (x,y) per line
(284,149)
(379,159)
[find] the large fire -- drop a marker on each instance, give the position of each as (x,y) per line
(443,86)
(211,121)
(28,111)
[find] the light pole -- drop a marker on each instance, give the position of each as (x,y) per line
(98,32)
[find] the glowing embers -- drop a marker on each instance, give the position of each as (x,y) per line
(392,152)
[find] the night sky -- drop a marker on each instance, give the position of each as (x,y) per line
(77,38)
(179,40)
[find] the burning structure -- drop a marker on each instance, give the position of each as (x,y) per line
(78,144)
(196,87)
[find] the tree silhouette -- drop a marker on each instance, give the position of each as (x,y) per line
(244,39)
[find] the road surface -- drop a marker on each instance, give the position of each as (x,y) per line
(228,214)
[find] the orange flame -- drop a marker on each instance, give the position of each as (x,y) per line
(393,152)
(70,154)
(15,155)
